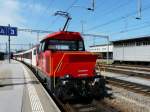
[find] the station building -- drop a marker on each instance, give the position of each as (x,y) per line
(132,50)
(102,50)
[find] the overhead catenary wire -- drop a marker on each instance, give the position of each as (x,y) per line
(116,19)
(16,44)
(116,8)
(33,30)
(132,29)
(45,9)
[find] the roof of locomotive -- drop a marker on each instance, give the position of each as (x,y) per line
(64,35)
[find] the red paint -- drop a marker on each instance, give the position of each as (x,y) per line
(59,63)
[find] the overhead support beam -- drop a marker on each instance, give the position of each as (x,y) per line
(35,31)
(93,35)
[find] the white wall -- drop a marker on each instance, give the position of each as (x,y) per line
(132,53)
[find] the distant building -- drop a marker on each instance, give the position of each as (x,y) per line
(102,50)
(132,50)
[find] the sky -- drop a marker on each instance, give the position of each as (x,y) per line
(113,18)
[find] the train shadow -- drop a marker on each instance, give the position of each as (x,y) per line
(22,83)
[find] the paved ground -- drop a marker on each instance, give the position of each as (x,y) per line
(20,91)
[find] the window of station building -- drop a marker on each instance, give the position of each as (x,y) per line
(118,44)
(146,43)
(138,43)
(129,44)
(125,44)
(103,49)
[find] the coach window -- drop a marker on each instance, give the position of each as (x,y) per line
(34,52)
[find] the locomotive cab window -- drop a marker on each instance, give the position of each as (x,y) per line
(41,47)
(65,45)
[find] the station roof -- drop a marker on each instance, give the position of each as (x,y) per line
(143,38)
(65,35)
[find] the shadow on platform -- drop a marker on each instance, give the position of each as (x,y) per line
(24,83)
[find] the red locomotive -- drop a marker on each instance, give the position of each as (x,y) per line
(66,68)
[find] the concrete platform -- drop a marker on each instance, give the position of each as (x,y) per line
(20,91)
(134,79)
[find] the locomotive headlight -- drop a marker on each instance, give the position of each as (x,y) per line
(65,79)
(96,79)
(67,76)
(64,82)
(97,73)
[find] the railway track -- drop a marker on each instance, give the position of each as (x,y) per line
(81,107)
(138,88)
(138,68)
(130,71)
(94,106)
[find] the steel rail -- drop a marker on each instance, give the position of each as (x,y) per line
(138,88)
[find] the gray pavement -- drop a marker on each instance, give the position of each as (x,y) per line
(20,91)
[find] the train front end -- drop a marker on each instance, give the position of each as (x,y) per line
(72,69)
(76,76)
